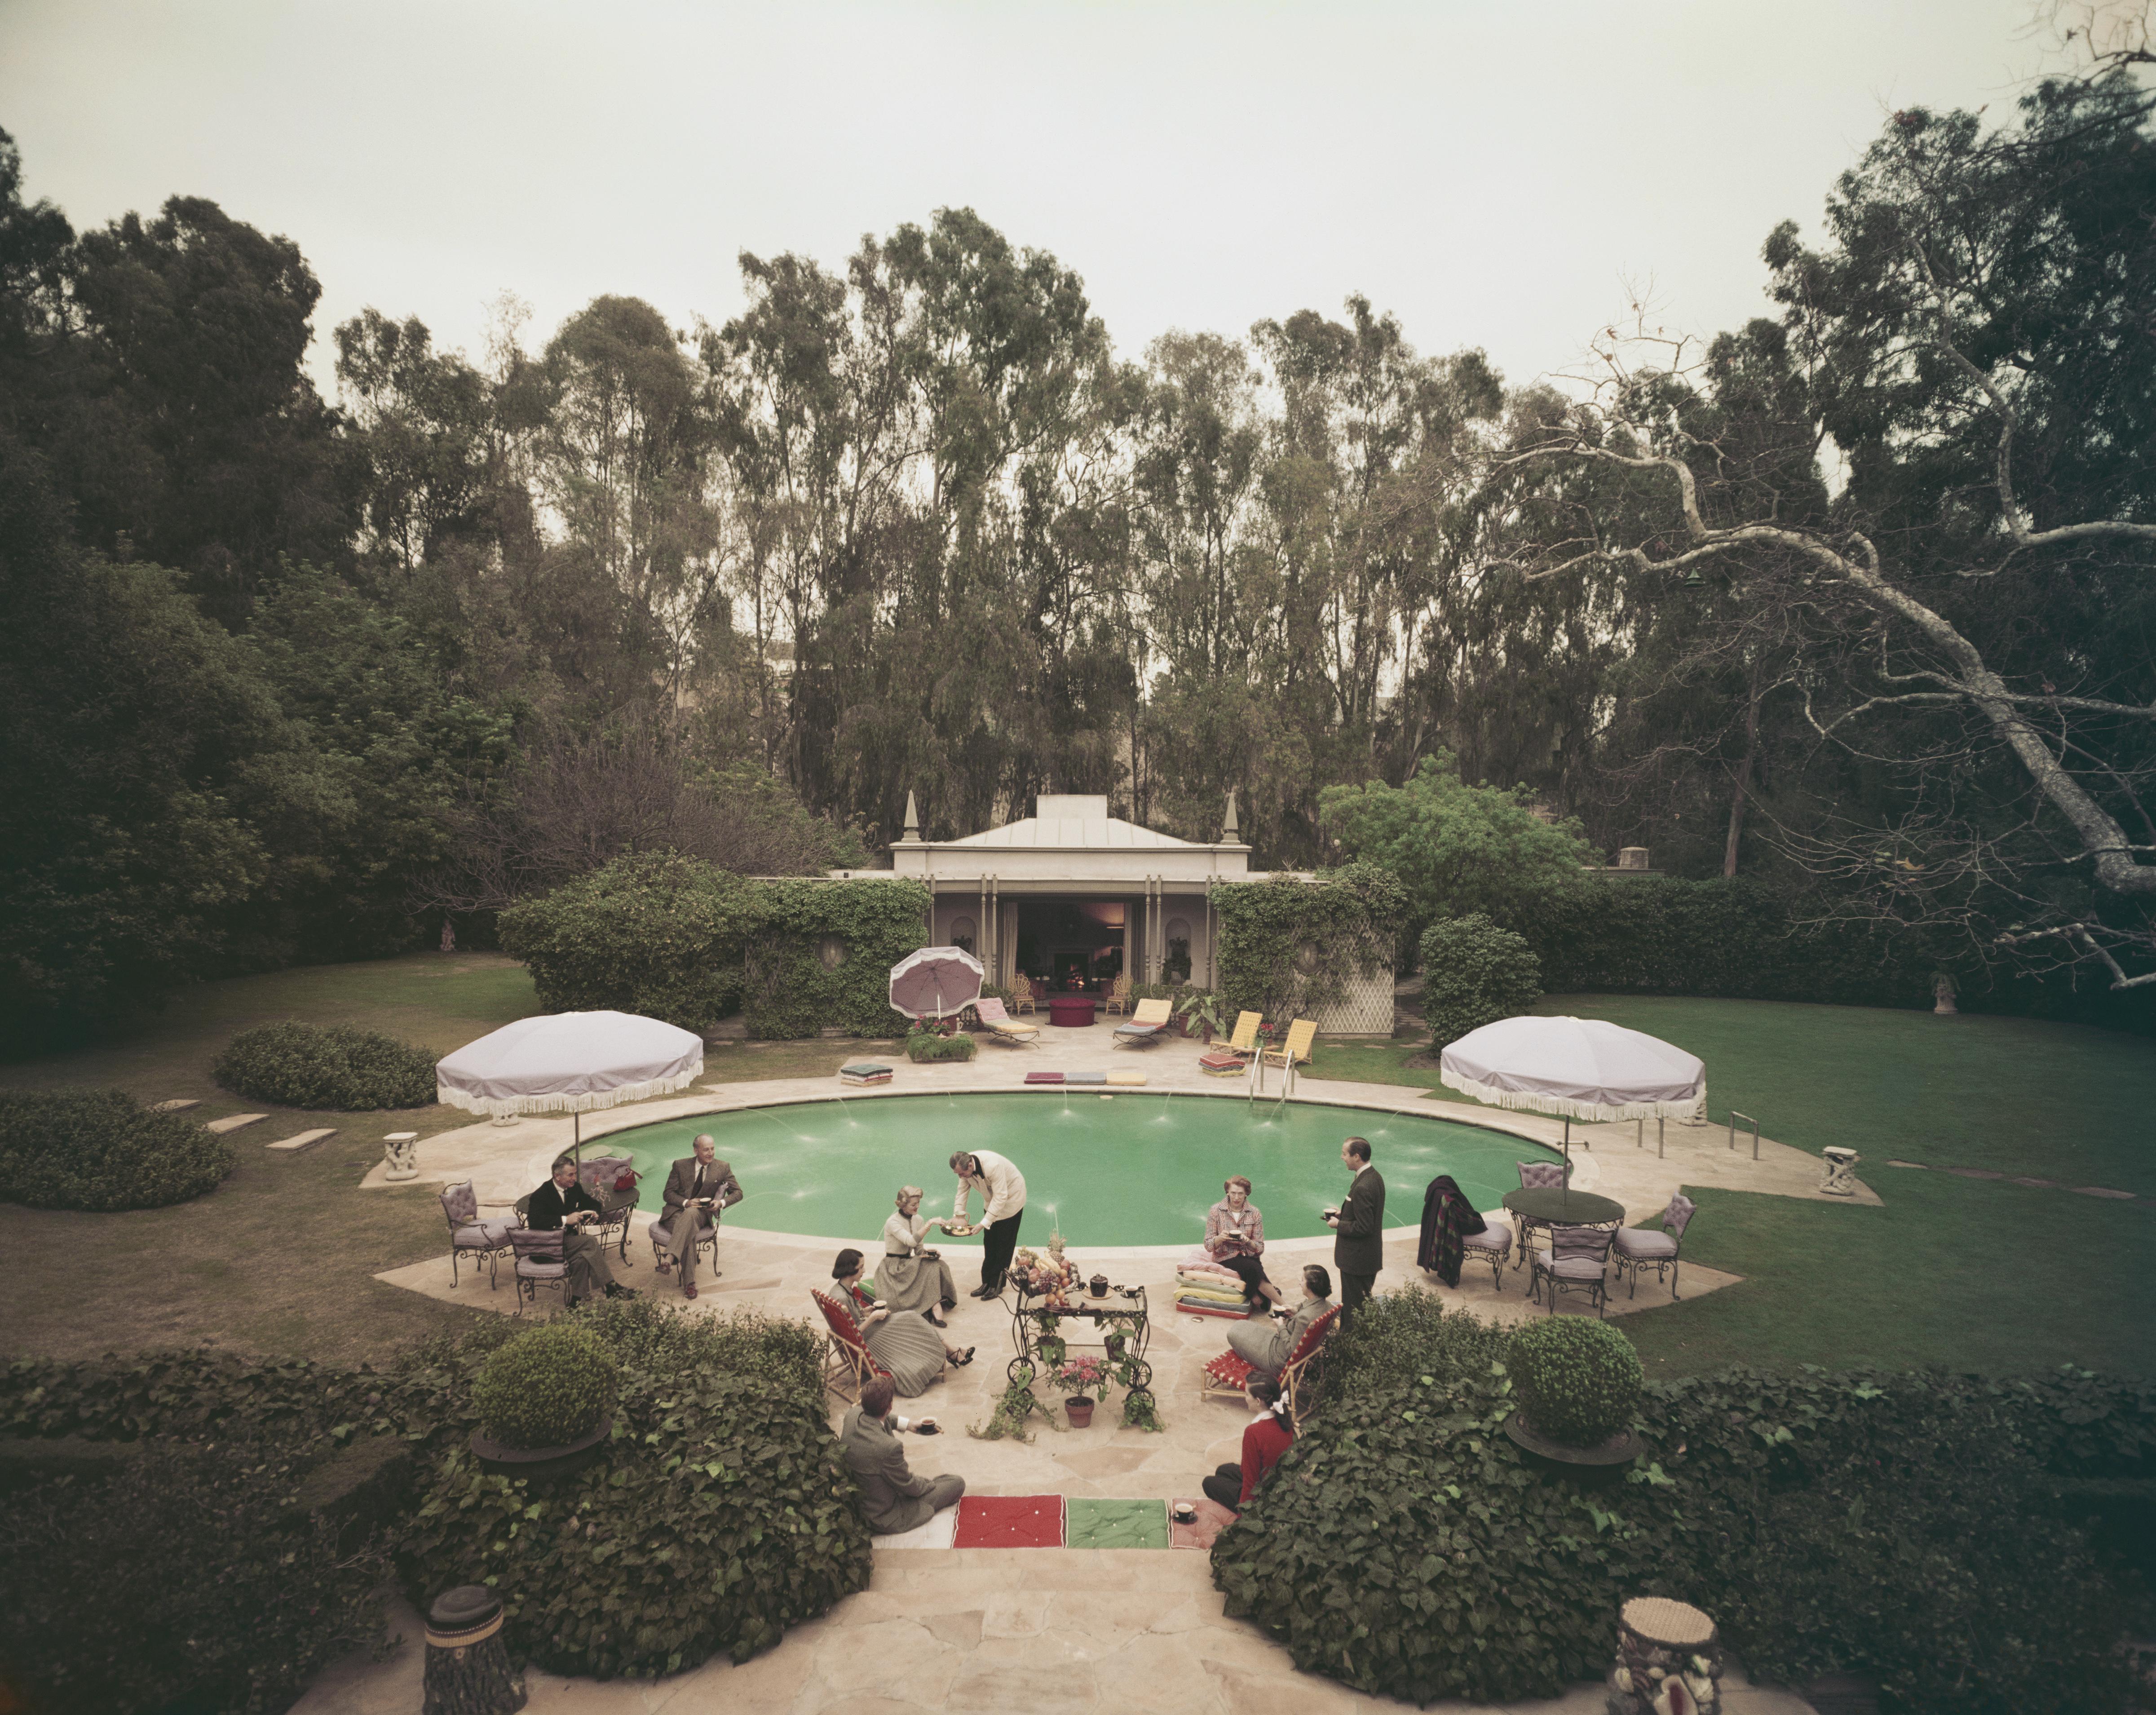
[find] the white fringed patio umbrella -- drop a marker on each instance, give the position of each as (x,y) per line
(569,1062)
(934,982)
(1583,1068)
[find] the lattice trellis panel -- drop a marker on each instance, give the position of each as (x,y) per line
(1367,1010)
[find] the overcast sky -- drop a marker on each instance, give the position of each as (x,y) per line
(1491,172)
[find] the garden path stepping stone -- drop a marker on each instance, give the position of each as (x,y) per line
(1115,1524)
(1009,1521)
(178,1104)
(1976,1172)
(2036,1184)
(1918,1165)
(233,1121)
(301,1140)
(2102,1191)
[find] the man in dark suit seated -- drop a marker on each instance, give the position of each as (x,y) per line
(893,1499)
(1358,1248)
(698,1187)
(564,1206)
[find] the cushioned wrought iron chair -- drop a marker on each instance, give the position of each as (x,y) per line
(1578,1260)
(485,1241)
(538,1264)
(1643,1247)
(661,1233)
(1493,1245)
(1541,1175)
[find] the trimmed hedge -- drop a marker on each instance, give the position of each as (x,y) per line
(1579,1380)
(547,1387)
(101,1150)
(925,1047)
(1396,1338)
(1474,973)
(1906,1527)
(652,932)
(325,1066)
(823,953)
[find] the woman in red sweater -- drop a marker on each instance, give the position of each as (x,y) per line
(1269,1436)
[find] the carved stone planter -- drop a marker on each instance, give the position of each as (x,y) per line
(540,1461)
(1602,1463)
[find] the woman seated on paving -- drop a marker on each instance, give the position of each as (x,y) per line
(1235,1238)
(893,1499)
(913,1278)
(1447,1218)
(912,1352)
(1269,1435)
(1267,1348)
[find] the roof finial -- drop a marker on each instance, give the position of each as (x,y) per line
(912,836)
(1229,835)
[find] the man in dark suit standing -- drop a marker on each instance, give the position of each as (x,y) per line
(698,1187)
(1359,1250)
(563,1204)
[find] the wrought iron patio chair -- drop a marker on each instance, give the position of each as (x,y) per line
(1541,1175)
(485,1241)
(1643,1247)
(661,1233)
(1493,1245)
(539,1263)
(1578,1260)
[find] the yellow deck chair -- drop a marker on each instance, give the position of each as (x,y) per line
(1146,1023)
(1294,1052)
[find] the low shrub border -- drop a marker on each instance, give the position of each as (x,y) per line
(102,1150)
(325,1066)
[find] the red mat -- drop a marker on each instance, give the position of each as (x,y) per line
(1009,1521)
(1044,1077)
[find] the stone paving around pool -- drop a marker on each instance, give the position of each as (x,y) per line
(1078,1630)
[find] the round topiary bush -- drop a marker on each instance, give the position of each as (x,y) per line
(101,1149)
(547,1388)
(1578,1381)
(325,1066)
(1474,973)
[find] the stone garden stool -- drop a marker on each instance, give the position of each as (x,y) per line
(1666,1649)
(468,1671)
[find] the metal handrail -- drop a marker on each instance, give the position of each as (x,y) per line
(1733,1117)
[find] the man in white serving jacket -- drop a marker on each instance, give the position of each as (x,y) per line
(1002,1187)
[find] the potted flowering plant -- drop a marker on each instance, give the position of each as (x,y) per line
(1082,1378)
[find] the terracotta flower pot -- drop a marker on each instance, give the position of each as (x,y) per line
(1078,1409)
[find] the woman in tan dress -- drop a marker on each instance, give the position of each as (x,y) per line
(910,1276)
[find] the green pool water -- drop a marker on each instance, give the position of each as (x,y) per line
(1141,1168)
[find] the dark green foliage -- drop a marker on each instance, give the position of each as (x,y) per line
(100,1150)
(183,1582)
(325,1066)
(786,1355)
(548,1387)
(1578,1379)
(923,1046)
(720,1514)
(653,932)
(1288,948)
(1474,973)
(822,955)
(1892,1526)
(1398,1337)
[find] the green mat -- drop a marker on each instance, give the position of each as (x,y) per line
(1115,1524)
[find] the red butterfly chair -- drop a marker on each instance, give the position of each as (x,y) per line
(850,1363)
(1226,1375)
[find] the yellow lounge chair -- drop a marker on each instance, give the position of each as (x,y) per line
(1146,1025)
(1300,1034)
(1001,1025)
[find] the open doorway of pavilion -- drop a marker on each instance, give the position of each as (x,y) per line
(1073,945)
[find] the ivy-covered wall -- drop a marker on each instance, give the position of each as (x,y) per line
(1297,949)
(823,951)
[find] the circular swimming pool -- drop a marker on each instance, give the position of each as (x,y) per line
(1141,1168)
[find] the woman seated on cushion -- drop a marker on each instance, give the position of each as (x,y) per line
(910,1277)
(1269,1436)
(912,1352)
(1267,1348)
(1235,1238)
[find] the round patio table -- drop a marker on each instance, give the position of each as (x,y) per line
(1544,1208)
(1071,1011)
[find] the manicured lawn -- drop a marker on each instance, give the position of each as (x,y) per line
(280,1257)
(1972,1274)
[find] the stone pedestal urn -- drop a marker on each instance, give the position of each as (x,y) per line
(400,1156)
(1840,1180)
(1668,1660)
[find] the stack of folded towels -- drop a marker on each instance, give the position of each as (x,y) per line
(1204,1288)
(864,1072)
